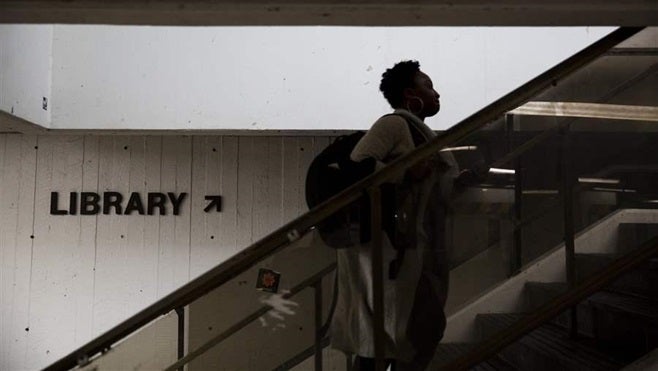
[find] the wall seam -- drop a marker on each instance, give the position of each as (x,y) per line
(189,234)
(98,177)
(34,212)
(49,111)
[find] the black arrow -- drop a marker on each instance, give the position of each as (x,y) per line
(214,201)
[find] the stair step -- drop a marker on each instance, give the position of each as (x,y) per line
(653,264)
(587,264)
(450,351)
(632,235)
(640,281)
(548,348)
(642,308)
(537,294)
(624,325)
(648,362)
(499,364)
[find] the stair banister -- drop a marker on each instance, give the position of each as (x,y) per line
(240,262)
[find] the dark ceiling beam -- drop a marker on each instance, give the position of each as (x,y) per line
(334,12)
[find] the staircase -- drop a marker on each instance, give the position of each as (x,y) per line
(615,326)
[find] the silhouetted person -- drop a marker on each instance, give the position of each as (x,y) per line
(414,299)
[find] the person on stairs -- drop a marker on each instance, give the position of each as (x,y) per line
(414,299)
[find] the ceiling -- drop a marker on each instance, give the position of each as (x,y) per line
(334,12)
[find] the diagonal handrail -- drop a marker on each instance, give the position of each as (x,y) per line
(240,262)
(549,310)
(302,356)
(564,123)
(248,319)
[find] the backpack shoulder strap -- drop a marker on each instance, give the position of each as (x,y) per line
(418,139)
(416,136)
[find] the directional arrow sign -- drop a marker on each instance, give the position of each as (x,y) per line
(215,201)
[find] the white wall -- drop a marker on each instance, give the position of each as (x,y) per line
(25,71)
(285,77)
(66,279)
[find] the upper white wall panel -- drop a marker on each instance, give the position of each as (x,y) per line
(284,78)
(25,74)
(138,77)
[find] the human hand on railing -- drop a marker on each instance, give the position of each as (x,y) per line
(470,177)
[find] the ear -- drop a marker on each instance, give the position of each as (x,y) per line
(408,93)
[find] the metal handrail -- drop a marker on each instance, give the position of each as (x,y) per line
(240,262)
(544,135)
(302,356)
(571,297)
(247,320)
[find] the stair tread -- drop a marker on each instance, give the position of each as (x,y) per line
(500,364)
(600,256)
(453,350)
(632,235)
(651,227)
(446,352)
(553,341)
(537,294)
(606,258)
(591,263)
(631,304)
(653,263)
(637,281)
(552,286)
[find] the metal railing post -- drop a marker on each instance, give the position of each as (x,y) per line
(567,189)
(317,290)
(377,275)
(517,216)
(593,283)
(180,313)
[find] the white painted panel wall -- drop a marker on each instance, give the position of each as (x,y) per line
(274,337)
(25,71)
(132,354)
(17,188)
(82,274)
(285,77)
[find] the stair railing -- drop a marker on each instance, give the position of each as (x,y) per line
(290,232)
(315,281)
(569,184)
(552,308)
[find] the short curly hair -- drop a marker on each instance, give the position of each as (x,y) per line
(396,79)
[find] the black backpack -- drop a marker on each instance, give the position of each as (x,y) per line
(330,172)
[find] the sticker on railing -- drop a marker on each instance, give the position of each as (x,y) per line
(268,280)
